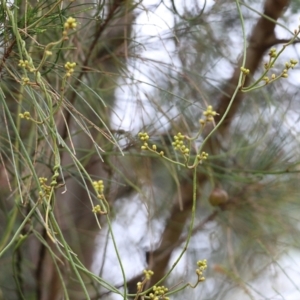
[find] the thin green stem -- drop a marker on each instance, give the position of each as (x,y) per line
(18,231)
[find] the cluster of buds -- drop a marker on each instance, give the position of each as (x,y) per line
(97,210)
(144,137)
(25,80)
(209,115)
(266,79)
(289,65)
(159,293)
(245,71)
(25,115)
(69,24)
(202,266)
(46,189)
(98,186)
(284,74)
(140,285)
(25,64)
(70,68)
(178,144)
(148,274)
(273,53)
(202,156)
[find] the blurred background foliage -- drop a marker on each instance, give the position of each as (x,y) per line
(151,67)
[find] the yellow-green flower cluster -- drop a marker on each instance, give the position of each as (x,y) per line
(202,156)
(70,24)
(245,71)
(70,68)
(25,80)
(289,65)
(140,285)
(144,137)
(97,210)
(178,144)
(272,53)
(25,115)
(46,189)
(266,79)
(148,274)
(209,115)
(285,74)
(25,64)
(99,186)
(202,266)
(159,293)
